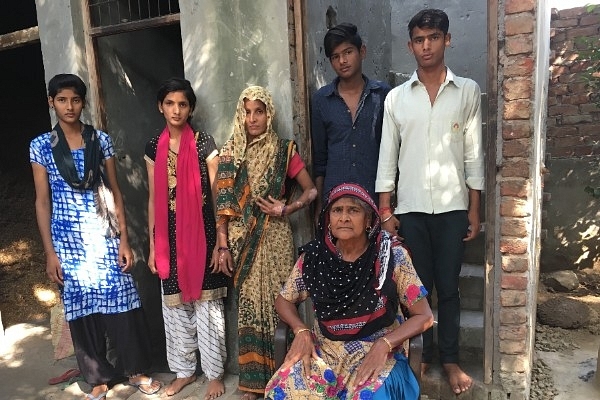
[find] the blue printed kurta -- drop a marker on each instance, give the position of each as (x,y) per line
(93,281)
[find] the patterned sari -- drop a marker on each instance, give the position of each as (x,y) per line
(261,245)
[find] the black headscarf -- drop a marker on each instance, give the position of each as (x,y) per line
(352,300)
(64,159)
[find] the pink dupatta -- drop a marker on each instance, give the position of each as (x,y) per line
(190,240)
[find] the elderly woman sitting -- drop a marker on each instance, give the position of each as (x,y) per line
(357,276)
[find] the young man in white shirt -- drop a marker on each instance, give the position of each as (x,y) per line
(432,137)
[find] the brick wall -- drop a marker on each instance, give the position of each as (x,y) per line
(573,118)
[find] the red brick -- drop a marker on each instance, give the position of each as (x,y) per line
(517,109)
(564,23)
(516,129)
(559,37)
(590,19)
(514,207)
(589,130)
(576,99)
(572,12)
(513,281)
(561,131)
(577,86)
(517,88)
(586,31)
(512,298)
(518,66)
(517,6)
(576,119)
(515,188)
(513,246)
(563,109)
(511,263)
(570,78)
(516,148)
(513,315)
(518,44)
(558,90)
(516,227)
(551,101)
(512,347)
(513,332)
(515,169)
(558,71)
(589,108)
(518,23)
(580,66)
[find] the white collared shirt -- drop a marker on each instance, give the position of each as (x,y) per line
(437,148)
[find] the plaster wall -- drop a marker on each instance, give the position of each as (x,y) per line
(467,55)
(249,46)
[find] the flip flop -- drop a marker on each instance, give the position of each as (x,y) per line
(145,382)
(101,396)
(66,376)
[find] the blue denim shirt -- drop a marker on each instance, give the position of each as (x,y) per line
(344,151)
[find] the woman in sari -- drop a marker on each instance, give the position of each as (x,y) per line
(253,230)
(356,349)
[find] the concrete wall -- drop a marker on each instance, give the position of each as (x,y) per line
(572,150)
(468,27)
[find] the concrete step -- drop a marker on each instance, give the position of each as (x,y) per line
(471,331)
(471,286)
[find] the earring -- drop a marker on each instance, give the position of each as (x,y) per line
(368,229)
(329,227)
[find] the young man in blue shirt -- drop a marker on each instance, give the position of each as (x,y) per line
(346,117)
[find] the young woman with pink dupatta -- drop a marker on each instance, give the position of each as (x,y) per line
(182,166)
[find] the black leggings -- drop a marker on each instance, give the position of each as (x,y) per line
(127,334)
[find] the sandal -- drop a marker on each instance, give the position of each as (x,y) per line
(101,396)
(146,382)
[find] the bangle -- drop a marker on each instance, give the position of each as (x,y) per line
(388,343)
(223,249)
(301,330)
(283,210)
(387,219)
(382,210)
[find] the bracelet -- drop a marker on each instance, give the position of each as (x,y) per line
(388,343)
(387,219)
(283,210)
(382,210)
(301,330)
(223,249)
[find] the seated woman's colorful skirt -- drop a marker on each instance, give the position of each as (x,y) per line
(332,375)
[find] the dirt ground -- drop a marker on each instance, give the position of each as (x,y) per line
(26,294)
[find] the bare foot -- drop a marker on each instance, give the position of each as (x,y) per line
(424,369)
(459,381)
(215,389)
(249,396)
(177,384)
